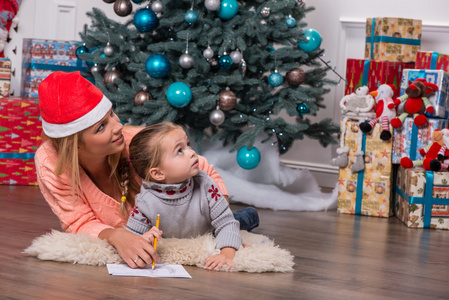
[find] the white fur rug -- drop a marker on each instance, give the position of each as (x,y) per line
(262,256)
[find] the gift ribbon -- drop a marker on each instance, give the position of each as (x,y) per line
(16,155)
(366,65)
(414,142)
(428,200)
(433,61)
(360,175)
(388,39)
(54,67)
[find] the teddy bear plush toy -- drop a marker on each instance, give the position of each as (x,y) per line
(356,106)
(416,102)
(385,111)
(436,154)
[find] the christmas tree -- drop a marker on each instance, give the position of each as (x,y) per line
(225,69)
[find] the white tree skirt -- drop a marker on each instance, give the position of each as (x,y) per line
(271,184)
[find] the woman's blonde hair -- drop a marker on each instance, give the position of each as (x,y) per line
(145,148)
(67,148)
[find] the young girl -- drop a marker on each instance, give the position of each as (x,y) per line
(188,201)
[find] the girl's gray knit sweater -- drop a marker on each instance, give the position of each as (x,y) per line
(186,210)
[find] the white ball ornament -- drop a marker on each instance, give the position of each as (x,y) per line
(236,56)
(212,5)
(108,50)
(208,53)
(217,117)
(186,61)
(157,6)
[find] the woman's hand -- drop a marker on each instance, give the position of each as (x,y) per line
(154,232)
(215,262)
(134,249)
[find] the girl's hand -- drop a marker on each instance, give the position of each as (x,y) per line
(215,262)
(134,249)
(154,232)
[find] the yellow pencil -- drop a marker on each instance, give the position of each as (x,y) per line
(155,241)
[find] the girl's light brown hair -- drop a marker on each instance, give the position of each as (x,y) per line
(145,148)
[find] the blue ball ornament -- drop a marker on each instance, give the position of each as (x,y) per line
(228,9)
(275,79)
(270,49)
(313,40)
(81,49)
(157,65)
(137,1)
(302,109)
(248,159)
(225,62)
(191,17)
(291,22)
(145,20)
(179,94)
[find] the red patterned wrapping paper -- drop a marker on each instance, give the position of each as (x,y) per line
(432,60)
(20,136)
(379,72)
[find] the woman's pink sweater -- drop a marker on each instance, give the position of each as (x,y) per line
(91,211)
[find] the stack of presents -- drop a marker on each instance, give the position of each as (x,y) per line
(393,155)
(20,123)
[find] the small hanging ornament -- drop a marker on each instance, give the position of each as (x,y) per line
(217,117)
(145,20)
(111,76)
(123,7)
(109,1)
(191,16)
(141,97)
(302,109)
(81,49)
(208,53)
(228,9)
(275,79)
(296,76)
(214,65)
(225,61)
(186,60)
(157,6)
(157,65)
(265,11)
(291,22)
(248,159)
(108,50)
(212,5)
(300,3)
(227,99)
(137,1)
(236,56)
(95,69)
(242,67)
(179,94)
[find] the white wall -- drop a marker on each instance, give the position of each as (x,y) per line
(341,24)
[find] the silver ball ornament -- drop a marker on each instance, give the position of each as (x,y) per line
(186,61)
(111,76)
(236,56)
(265,11)
(123,7)
(95,69)
(212,5)
(108,50)
(157,6)
(217,117)
(208,53)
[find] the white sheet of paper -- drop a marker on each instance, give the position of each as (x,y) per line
(160,270)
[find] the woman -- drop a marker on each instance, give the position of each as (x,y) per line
(82,167)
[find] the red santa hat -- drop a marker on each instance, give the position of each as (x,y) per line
(69,104)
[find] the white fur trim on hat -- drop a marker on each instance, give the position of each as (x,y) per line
(87,120)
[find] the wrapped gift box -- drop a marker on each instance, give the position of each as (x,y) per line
(408,139)
(5,77)
(367,192)
(440,99)
(392,39)
(42,57)
(432,61)
(20,136)
(373,73)
(422,198)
